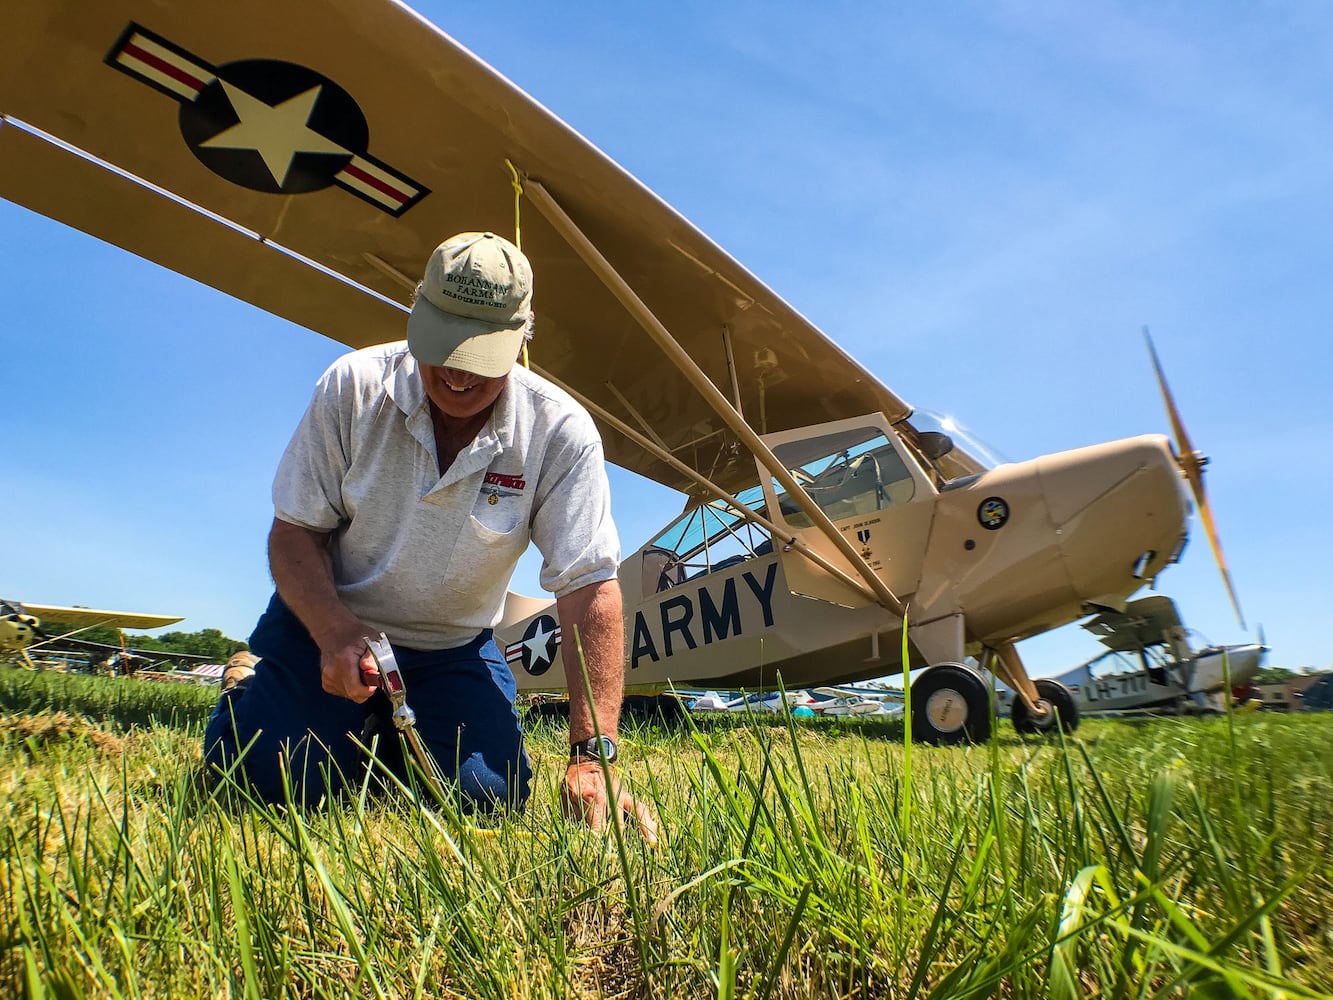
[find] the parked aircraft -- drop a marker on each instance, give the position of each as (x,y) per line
(766,701)
(204,673)
(709,701)
(306,157)
(855,702)
(21,633)
(1150,665)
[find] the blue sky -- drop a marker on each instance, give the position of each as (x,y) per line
(1005,193)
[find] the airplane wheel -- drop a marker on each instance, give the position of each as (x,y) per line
(1061,700)
(950,704)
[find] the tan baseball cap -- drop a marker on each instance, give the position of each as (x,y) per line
(473,305)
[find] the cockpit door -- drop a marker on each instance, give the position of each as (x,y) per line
(872,489)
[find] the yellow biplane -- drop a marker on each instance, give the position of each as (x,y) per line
(310,172)
(21,632)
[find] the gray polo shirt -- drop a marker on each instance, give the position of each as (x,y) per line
(428,559)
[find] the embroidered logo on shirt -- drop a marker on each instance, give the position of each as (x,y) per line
(498,485)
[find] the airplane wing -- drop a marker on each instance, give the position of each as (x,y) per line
(1145,622)
(833,691)
(88,617)
(307,157)
(85,647)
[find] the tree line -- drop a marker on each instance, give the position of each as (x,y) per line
(209,642)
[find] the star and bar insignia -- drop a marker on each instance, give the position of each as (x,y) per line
(265,124)
(536,650)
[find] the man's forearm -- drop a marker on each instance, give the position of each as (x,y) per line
(303,573)
(596,612)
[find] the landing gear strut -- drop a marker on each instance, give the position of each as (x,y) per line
(1058,701)
(1039,706)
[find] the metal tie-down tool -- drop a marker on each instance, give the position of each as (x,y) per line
(404,719)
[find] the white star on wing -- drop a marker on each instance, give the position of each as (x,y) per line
(537,648)
(277,132)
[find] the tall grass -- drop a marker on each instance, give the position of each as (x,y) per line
(1166,858)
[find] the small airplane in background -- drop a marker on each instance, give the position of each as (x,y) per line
(1150,665)
(766,701)
(21,635)
(708,701)
(756,701)
(859,702)
(204,673)
(823,700)
(824,516)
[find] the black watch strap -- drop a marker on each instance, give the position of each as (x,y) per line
(599,748)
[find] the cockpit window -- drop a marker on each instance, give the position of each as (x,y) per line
(1113,664)
(704,539)
(847,474)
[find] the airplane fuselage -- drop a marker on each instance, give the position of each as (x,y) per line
(997,557)
(1195,681)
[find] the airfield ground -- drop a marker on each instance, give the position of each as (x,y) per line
(801,859)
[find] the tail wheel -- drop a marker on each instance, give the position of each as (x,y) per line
(1058,701)
(950,704)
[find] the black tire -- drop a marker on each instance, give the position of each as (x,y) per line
(950,704)
(664,708)
(1061,700)
(546,713)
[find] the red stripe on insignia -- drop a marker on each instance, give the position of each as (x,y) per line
(164,67)
(397,195)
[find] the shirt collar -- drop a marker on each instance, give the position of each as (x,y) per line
(403,382)
(403,385)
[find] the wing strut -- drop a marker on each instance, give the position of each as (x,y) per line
(636,307)
(731,370)
(788,539)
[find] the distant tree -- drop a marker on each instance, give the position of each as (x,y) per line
(1274,675)
(209,642)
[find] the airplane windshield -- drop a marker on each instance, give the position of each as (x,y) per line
(962,437)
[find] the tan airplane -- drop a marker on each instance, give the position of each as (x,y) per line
(21,627)
(306,157)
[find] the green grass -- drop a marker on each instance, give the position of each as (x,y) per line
(1166,858)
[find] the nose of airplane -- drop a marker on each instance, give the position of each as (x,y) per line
(1236,665)
(1119,511)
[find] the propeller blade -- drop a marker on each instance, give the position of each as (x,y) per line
(1191,464)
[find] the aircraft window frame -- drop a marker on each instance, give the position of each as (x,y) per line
(706,527)
(846,449)
(1113,663)
(1158,656)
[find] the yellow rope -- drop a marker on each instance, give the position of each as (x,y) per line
(518,232)
(517,185)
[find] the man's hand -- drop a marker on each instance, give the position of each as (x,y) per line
(583,797)
(346,667)
(303,571)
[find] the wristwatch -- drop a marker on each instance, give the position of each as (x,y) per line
(599,748)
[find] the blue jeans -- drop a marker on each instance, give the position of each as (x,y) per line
(463,699)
